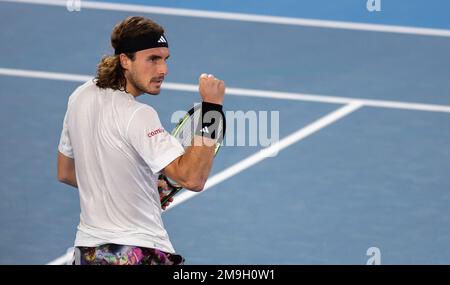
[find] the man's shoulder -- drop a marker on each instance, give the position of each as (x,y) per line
(142,110)
(141,116)
(87,87)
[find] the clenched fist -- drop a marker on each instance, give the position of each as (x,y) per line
(211,89)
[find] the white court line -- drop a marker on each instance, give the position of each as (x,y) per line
(44,75)
(244,92)
(253,159)
(245,17)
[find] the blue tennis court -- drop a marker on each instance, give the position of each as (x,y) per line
(364,127)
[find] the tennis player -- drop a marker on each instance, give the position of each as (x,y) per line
(112,148)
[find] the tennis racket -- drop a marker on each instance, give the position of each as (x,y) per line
(184,133)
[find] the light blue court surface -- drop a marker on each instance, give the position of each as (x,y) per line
(375,177)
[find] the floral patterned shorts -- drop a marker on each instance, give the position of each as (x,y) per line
(114,254)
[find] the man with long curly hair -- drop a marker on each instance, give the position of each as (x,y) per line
(113,148)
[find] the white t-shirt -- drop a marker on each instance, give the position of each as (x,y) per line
(119,146)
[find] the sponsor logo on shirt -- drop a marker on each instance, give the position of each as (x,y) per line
(155,132)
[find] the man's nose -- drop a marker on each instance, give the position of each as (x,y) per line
(163,69)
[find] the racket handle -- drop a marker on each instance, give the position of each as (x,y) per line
(171,194)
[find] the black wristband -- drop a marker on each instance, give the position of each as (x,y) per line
(211,118)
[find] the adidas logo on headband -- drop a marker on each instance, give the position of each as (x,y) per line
(162,40)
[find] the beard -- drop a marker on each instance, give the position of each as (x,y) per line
(141,88)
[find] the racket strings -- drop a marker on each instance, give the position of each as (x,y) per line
(186,131)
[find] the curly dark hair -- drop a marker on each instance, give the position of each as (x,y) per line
(110,73)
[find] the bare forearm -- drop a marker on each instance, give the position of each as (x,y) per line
(197,160)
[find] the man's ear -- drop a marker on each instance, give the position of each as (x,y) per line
(124,61)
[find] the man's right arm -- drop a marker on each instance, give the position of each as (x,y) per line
(191,170)
(66,170)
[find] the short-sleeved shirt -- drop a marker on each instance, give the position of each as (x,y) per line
(119,147)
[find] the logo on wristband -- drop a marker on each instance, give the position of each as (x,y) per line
(205,130)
